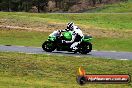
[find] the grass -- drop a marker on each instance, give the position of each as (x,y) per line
(19,70)
(23,38)
(114,44)
(104,21)
(122,7)
(33,38)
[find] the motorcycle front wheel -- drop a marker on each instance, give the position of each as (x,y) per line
(48,46)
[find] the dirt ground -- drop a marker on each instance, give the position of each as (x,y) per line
(50,27)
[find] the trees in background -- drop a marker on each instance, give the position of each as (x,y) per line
(5,5)
(42,5)
(22,5)
(15,5)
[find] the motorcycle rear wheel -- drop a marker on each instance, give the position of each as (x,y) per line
(84,49)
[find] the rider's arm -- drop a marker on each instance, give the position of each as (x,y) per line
(72,40)
(64,30)
(74,34)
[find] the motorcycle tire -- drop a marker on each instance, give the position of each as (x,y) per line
(48,46)
(85,48)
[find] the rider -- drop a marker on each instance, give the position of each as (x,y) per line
(77,35)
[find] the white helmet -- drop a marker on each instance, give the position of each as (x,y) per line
(70,26)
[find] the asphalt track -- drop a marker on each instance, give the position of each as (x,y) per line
(38,50)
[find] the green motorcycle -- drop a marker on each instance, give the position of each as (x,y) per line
(55,42)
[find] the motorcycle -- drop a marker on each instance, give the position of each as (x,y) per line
(54,42)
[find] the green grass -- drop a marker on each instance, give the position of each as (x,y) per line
(122,7)
(114,44)
(105,21)
(44,71)
(21,37)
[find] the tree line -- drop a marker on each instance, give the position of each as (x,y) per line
(41,5)
(21,5)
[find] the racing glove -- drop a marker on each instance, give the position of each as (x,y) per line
(63,41)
